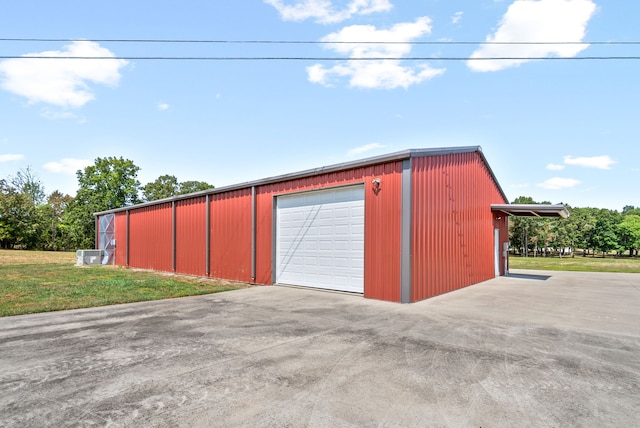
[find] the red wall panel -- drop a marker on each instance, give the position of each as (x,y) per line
(191,236)
(121,239)
(453,226)
(231,235)
(150,237)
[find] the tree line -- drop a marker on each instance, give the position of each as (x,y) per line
(589,230)
(31,219)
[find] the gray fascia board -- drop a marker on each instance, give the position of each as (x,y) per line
(538,210)
(396,156)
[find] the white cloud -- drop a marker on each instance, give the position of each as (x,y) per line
(324,11)
(557,183)
(539,22)
(555,167)
(377,73)
(10,158)
(600,162)
(163,106)
(67,165)
(61,82)
(57,114)
(456,17)
(363,149)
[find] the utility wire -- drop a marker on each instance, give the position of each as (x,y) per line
(309,58)
(310,42)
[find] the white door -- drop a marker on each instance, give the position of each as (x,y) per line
(320,239)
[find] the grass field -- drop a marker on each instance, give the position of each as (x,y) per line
(577,263)
(35,281)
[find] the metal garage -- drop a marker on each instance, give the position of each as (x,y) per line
(320,239)
(400,227)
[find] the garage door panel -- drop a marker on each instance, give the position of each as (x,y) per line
(326,229)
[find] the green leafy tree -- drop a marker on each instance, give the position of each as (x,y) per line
(164,186)
(629,233)
(28,183)
(528,233)
(604,236)
(52,214)
(630,209)
(110,183)
(167,186)
(20,220)
(194,186)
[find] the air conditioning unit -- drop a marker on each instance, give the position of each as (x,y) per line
(89,257)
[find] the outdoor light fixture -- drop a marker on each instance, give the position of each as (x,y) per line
(376,183)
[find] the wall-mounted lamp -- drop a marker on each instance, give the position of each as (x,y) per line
(498,218)
(376,185)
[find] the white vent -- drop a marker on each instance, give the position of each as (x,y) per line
(89,257)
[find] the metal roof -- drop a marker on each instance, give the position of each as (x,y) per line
(532,210)
(396,156)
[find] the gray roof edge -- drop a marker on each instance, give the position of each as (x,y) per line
(560,209)
(395,156)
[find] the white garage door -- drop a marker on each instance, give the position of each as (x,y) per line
(320,239)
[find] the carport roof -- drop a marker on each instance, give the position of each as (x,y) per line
(532,210)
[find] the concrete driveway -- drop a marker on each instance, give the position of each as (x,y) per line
(541,349)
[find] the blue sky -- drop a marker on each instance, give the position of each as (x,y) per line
(557,130)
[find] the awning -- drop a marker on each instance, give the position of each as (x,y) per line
(532,210)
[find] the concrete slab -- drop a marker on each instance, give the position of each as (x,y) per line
(544,349)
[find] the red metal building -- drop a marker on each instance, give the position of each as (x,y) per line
(400,227)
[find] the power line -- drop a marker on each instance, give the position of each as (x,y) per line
(310,58)
(319,42)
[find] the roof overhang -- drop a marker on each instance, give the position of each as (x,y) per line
(532,210)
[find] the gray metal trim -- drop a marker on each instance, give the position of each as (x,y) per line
(173,236)
(532,210)
(207,238)
(96,229)
(253,233)
(397,156)
(405,234)
(127,242)
(274,237)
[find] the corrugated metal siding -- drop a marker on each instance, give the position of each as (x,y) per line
(382,232)
(150,237)
(382,224)
(121,239)
(452,237)
(191,230)
(231,235)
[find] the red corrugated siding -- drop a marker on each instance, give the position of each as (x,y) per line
(382,232)
(150,237)
(452,236)
(121,239)
(191,230)
(231,235)
(382,224)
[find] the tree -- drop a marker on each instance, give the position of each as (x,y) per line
(194,186)
(28,183)
(629,233)
(604,237)
(164,186)
(525,231)
(52,215)
(167,186)
(109,183)
(20,201)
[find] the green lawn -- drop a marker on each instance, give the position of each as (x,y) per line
(33,281)
(577,263)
